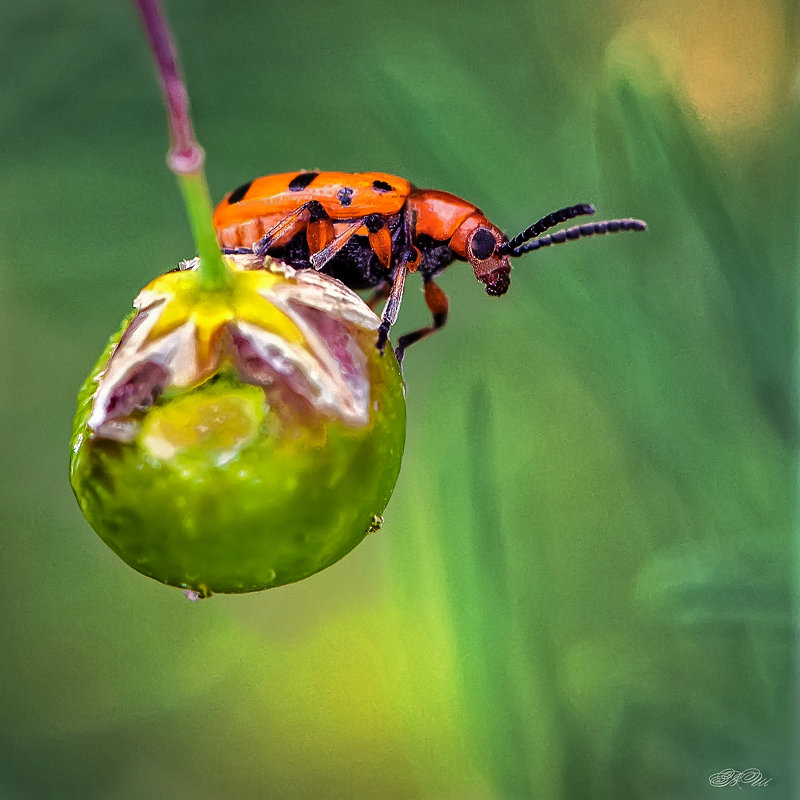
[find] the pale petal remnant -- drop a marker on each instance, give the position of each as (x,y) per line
(288,331)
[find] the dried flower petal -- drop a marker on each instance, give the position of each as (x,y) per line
(285,330)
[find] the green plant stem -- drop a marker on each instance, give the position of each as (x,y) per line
(214,273)
(186,157)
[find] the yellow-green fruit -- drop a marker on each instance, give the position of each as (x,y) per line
(264,462)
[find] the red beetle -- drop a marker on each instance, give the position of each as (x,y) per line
(370,229)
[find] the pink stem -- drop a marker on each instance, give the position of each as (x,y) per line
(185,155)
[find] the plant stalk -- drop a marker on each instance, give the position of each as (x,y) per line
(185,158)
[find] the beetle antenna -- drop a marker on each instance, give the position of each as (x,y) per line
(545,223)
(580,232)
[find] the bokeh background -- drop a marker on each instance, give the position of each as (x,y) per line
(586,580)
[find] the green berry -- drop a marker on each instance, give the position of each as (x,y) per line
(240,439)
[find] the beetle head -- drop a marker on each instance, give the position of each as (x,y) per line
(488,260)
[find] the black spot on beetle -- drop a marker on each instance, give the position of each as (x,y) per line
(238,194)
(345,196)
(382,186)
(301,181)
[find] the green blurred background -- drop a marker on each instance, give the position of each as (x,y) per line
(585,584)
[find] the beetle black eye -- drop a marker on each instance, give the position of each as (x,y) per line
(483,244)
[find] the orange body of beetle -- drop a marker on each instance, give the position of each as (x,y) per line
(370,229)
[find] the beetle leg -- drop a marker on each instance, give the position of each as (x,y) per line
(381,293)
(319,231)
(409,228)
(408,253)
(392,307)
(413,259)
(320,259)
(293,223)
(437,302)
(380,238)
